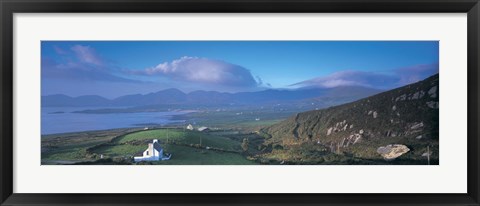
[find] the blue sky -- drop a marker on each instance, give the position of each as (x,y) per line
(115,68)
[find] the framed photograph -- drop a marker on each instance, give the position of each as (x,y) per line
(238,102)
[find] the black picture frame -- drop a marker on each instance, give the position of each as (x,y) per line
(10,7)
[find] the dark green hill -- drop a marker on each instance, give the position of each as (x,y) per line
(407,115)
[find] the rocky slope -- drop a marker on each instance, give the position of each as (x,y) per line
(408,116)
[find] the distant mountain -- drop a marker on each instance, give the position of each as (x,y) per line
(177,97)
(60,100)
(168,96)
(408,116)
(209,97)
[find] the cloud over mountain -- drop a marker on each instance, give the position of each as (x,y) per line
(204,71)
(398,77)
(415,73)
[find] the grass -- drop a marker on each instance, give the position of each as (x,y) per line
(160,134)
(183,145)
(417,147)
(72,146)
(244,120)
(364,153)
(256,125)
(66,154)
(180,137)
(125,150)
(183,155)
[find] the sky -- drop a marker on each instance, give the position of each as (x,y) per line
(115,68)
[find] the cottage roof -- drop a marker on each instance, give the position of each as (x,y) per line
(202,128)
(157,146)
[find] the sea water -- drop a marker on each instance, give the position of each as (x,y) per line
(63,119)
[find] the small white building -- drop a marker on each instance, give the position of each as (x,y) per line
(154,152)
(190,127)
(203,129)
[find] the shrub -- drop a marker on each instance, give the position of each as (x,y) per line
(245,143)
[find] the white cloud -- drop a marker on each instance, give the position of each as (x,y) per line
(86,54)
(202,70)
(80,63)
(416,73)
(347,78)
(396,78)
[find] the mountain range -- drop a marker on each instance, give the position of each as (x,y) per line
(177,97)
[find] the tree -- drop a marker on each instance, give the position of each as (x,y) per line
(245,144)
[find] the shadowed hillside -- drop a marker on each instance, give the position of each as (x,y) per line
(354,132)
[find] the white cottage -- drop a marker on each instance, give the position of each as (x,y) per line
(203,129)
(154,152)
(190,127)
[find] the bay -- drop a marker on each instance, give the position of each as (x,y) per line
(62,119)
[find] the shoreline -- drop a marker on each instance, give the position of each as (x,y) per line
(138,128)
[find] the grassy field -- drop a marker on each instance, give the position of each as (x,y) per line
(245,120)
(178,136)
(124,150)
(184,155)
(72,147)
(123,145)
